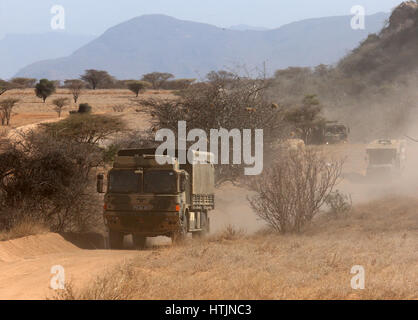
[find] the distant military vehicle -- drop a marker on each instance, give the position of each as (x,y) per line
(386,158)
(330,132)
(335,133)
(146,199)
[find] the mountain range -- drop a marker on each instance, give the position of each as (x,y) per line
(189,49)
(19,50)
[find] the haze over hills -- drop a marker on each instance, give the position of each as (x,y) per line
(19,50)
(189,49)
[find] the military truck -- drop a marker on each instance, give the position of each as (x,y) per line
(330,132)
(335,132)
(385,158)
(147,199)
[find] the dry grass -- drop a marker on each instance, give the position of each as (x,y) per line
(24,228)
(116,284)
(380,236)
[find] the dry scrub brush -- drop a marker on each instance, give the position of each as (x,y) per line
(225,101)
(292,191)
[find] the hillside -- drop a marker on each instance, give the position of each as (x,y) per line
(189,49)
(390,53)
(19,50)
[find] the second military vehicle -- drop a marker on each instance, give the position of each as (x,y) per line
(147,199)
(386,158)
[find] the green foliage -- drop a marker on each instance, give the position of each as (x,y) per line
(157,79)
(138,86)
(85,128)
(305,118)
(84,108)
(97,78)
(44,88)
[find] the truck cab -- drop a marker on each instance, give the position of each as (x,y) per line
(147,199)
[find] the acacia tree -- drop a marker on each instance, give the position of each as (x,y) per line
(6,107)
(4,86)
(96,78)
(60,103)
(157,79)
(75,86)
(21,82)
(238,103)
(306,117)
(138,86)
(44,88)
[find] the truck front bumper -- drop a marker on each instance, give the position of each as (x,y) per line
(148,224)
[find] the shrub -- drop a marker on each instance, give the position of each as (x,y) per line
(84,108)
(6,107)
(84,128)
(60,103)
(339,204)
(291,191)
(47,179)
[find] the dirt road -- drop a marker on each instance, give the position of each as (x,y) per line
(25,265)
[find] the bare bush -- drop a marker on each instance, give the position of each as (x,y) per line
(23,228)
(119,108)
(60,104)
(230,103)
(117,284)
(75,86)
(6,107)
(291,192)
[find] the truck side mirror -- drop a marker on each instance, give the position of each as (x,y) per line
(100,179)
(183,181)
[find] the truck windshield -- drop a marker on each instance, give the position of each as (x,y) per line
(383,156)
(124,181)
(160,182)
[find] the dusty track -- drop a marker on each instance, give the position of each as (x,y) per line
(25,264)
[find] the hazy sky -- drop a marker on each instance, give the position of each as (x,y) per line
(95,16)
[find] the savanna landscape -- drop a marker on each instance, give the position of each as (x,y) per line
(294,232)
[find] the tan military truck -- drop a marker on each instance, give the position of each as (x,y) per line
(146,199)
(385,158)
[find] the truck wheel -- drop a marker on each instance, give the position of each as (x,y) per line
(139,241)
(205,229)
(116,240)
(180,235)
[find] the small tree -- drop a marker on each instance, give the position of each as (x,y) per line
(75,86)
(291,191)
(306,117)
(6,107)
(4,86)
(44,88)
(60,103)
(95,78)
(138,86)
(85,128)
(157,79)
